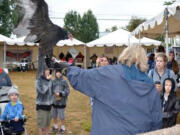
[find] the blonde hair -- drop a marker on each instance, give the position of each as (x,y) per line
(162,55)
(134,54)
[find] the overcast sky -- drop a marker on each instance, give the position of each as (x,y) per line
(119,10)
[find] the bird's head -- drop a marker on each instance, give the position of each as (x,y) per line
(63,34)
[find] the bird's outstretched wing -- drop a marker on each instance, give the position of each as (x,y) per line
(36,25)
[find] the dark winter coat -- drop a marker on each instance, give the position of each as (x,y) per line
(170,107)
(44,93)
(60,86)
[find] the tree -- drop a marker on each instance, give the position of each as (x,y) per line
(134,22)
(72,23)
(89,29)
(8,16)
(113,28)
(167,3)
(84,28)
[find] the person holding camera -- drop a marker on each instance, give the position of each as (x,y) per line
(44,101)
(60,95)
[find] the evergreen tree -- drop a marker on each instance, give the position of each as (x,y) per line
(84,28)
(134,22)
(8,16)
(72,22)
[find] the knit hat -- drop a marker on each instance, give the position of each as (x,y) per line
(13,90)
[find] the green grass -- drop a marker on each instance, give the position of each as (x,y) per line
(77,111)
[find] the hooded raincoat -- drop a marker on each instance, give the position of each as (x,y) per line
(126,101)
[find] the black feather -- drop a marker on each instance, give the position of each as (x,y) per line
(37,27)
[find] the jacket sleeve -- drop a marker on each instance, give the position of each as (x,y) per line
(176,106)
(150,74)
(4,114)
(66,91)
(156,111)
(19,111)
(53,87)
(85,81)
(40,88)
(175,109)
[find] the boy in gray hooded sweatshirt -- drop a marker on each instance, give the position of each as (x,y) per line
(60,94)
(44,101)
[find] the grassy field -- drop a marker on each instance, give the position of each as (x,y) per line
(78,112)
(78,115)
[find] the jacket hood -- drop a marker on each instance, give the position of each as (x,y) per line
(138,81)
(172,88)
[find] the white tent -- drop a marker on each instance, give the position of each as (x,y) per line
(69,42)
(20,42)
(156,25)
(121,38)
(4,38)
(167,23)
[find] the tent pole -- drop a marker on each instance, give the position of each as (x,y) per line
(174,47)
(166,28)
(4,63)
(139,38)
(129,42)
(85,57)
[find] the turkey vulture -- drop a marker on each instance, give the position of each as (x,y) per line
(35,24)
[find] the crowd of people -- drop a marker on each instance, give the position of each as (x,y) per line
(137,95)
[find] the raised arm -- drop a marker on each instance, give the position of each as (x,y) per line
(85,81)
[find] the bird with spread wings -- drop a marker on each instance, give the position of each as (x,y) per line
(35,24)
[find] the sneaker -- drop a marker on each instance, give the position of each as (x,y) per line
(61,131)
(54,130)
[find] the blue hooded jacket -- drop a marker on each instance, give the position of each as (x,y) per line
(12,112)
(126,101)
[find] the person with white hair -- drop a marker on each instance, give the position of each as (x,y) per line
(126,101)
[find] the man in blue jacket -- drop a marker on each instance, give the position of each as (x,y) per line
(126,101)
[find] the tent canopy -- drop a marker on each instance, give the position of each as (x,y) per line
(4,38)
(121,38)
(20,41)
(155,26)
(69,42)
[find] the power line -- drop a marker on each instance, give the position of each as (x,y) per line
(102,19)
(106,14)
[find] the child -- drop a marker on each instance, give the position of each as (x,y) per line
(61,92)
(170,103)
(44,101)
(13,110)
(158,86)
